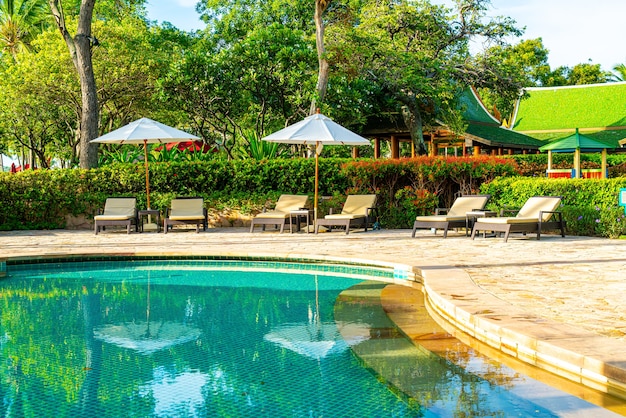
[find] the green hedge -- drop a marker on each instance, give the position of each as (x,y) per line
(535,165)
(407,187)
(589,206)
(41,199)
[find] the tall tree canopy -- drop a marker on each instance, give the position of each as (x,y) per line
(418,55)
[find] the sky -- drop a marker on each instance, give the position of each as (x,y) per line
(574,31)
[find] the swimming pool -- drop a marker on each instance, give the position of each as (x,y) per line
(233,338)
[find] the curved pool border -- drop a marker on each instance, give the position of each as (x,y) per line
(569,352)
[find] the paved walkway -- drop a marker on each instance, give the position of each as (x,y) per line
(572,283)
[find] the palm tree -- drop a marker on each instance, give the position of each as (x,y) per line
(619,72)
(20,21)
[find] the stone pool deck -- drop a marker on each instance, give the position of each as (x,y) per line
(558,303)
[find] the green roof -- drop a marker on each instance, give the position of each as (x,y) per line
(473,108)
(570,107)
(486,129)
(576,141)
(496,135)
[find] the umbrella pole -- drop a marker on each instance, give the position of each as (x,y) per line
(316,188)
(145,160)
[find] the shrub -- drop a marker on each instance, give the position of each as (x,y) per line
(589,206)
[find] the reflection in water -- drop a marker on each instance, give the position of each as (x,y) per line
(146,337)
(176,394)
(92,339)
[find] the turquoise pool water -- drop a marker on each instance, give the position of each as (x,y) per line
(224,339)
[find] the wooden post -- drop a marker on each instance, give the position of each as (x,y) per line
(476,150)
(376,147)
(603,166)
(549,159)
(395,148)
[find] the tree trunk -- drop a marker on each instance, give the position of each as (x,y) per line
(413,120)
(322,75)
(80,50)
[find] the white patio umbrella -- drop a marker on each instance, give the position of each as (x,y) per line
(317,130)
(145,131)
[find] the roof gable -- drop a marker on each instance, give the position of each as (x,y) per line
(569,107)
(473,108)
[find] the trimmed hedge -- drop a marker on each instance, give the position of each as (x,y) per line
(408,187)
(589,206)
(535,165)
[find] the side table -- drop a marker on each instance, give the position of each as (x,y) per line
(148,213)
(300,213)
(471,216)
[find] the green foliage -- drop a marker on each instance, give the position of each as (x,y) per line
(421,184)
(589,206)
(254,147)
(41,199)
(535,165)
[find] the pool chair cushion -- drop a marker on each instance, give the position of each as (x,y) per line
(120,211)
(190,211)
(357,210)
(453,217)
(538,214)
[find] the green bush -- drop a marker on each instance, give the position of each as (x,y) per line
(405,188)
(589,206)
(413,186)
(535,165)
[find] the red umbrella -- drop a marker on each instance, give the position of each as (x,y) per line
(193,146)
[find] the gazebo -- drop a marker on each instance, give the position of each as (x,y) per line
(577,143)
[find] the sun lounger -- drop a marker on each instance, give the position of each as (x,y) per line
(117,211)
(538,214)
(281,213)
(453,217)
(357,210)
(186,211)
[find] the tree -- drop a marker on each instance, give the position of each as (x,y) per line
(20,21)
(418,56)
(586,74)
(79,47)
(323,68)
(619,73)
(257,82)
(127,68)
(525,62)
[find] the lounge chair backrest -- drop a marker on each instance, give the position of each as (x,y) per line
(357,204)
(187,207)
(468,203)
(536,204)
(288,202)
(120,206)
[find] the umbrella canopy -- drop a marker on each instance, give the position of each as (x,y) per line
(317,130)
(147,337)
(315,339)
(145,131)
(576,143)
